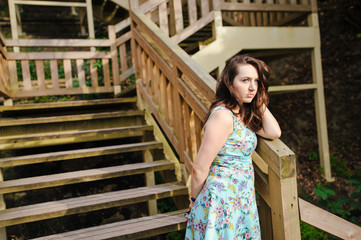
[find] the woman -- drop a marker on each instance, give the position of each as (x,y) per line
(223,204)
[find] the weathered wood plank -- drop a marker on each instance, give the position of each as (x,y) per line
(74,117)
(26,74)
(106,72)
(327,221)
(95,202)
(56,55)
(68,104)
(93,73)
(192,11)
(178,16)
(40,74)
(128,229)
(253,7)
(27,184)
(75,154)
(34,140)
(163,18)
(57,42)
(81,72)
(67,73)
(54,73)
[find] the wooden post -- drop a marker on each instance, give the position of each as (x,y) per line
(283,188)
(2,208)
(150,181)
(320,106)
(13,23)
(89,13)
(114,57)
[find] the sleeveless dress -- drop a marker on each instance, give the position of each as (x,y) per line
(225,208)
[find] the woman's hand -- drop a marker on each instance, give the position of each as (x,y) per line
(190,206)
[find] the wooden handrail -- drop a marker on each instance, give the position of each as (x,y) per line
(327,221)
(57,42)
(4,70)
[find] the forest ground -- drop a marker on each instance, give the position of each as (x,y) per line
(340,30)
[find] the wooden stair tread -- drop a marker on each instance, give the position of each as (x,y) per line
(44,139)
(78,117)
(95,202)
(60,179)
(79,153)
(128,229)
(67,104)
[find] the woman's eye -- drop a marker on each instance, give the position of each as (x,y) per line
(245,80)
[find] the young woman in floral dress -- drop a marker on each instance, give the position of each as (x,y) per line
(223,203)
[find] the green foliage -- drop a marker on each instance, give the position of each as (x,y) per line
(358,35)
(313,156)
(310,233)
(323,192)
(179,235)
(340,167)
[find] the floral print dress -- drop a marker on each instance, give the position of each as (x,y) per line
(226,209)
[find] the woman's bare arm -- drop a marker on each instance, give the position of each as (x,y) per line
(271,128)
(218,128)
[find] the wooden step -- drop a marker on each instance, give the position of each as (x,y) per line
(95,202)
(68,104)
(26,184)
(76,154)
(5,122)
(129,229)
(46,139)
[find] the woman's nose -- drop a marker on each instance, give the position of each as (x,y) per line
(252,86)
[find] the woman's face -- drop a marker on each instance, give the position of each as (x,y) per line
(245,83)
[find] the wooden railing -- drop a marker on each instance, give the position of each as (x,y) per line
(84,69)
(265,13)
(4,72)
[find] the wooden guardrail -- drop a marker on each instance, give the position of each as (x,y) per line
(4,72)
(265,13)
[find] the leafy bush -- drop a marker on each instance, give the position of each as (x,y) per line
(310,233)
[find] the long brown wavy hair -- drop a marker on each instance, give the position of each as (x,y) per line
(251,113)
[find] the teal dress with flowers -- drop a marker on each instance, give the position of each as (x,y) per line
(226,209)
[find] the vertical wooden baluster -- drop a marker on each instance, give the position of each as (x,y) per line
(186,128)
(54,73)
(178,16)
(123,58)
(163,94)
(93,73)
(13,75)
(192,11)
(259,14)
(272,15)
(67,73)
(169,104)
(163,18)
(81,72)
(106,72)
(155,85)
(204,8)
(26,74)
(39,64)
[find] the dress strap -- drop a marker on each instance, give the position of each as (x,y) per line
(222,108)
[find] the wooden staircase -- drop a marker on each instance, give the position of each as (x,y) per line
(93,145)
